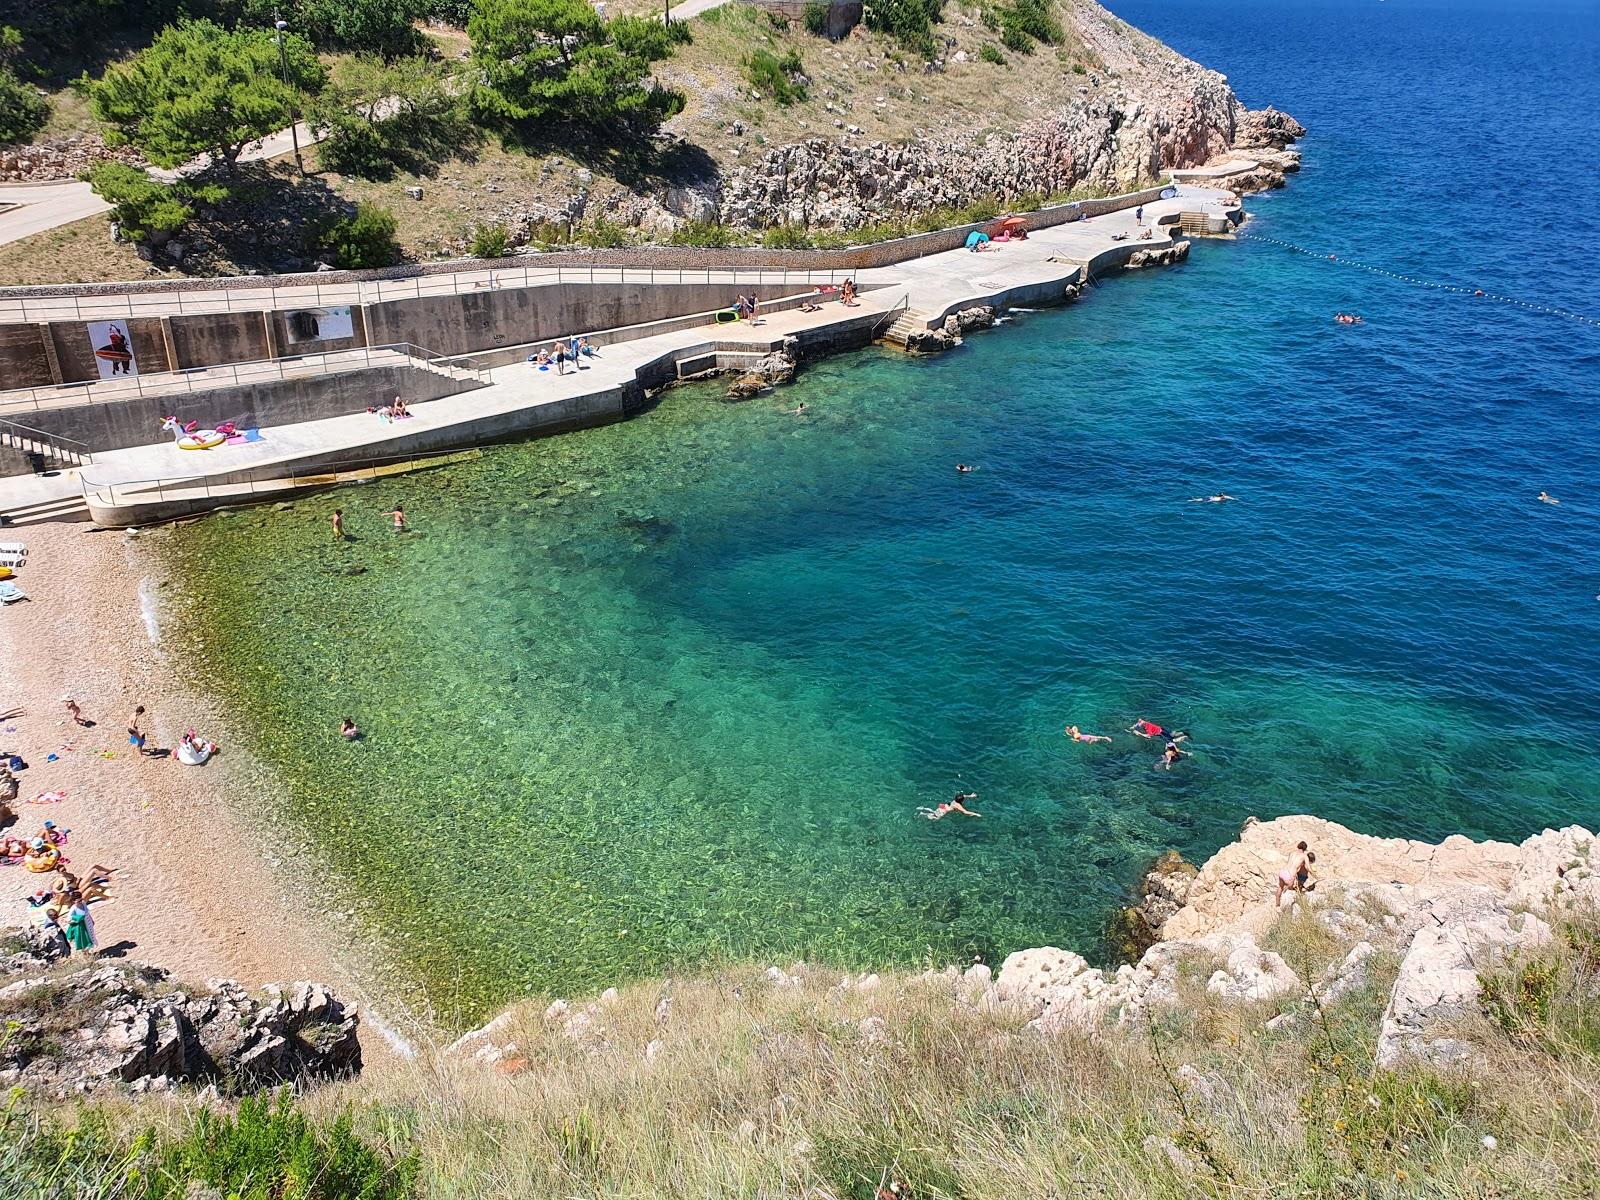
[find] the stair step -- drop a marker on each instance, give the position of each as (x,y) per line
(72,508)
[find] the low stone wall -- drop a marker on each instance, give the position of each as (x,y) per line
(136,421)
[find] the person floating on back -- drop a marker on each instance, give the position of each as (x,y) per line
(1077,735)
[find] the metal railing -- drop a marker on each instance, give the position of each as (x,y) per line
(264,370)
(48,445)
(463,281)
(121,493)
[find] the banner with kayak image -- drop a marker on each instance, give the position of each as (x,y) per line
(113,349)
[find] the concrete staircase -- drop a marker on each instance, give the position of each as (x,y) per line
(908,322)
(42,451)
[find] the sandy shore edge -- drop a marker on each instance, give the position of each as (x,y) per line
(193,890)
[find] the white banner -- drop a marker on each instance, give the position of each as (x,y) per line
(113,349)
(320,324)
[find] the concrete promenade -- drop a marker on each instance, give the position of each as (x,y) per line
(154,482)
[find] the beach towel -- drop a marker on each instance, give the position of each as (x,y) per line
(55,797)
(10,593)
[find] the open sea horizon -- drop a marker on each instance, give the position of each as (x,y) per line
(668,693)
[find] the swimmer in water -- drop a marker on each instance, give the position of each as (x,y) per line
(399,515)
(1219,498)
(952,805)
(1145,728)
(1170,755)
(798,411)
(348,730)
(1547,498)
(963,469)
(1078,735)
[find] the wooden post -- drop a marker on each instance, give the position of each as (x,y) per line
(168,346)
(269,330)
(53,360)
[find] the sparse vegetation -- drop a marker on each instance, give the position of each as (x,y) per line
(782,78)
(990,53)
(380,118)
(816,18)
(911,22)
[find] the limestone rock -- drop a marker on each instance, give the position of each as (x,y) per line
(1439,978)
(1252,974)
(128,1028)
(1557,867)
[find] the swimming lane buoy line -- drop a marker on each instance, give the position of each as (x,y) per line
(1476,293)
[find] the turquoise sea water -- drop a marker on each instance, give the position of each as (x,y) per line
(669,692)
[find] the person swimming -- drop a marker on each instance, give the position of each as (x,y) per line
(1145,728)
(954,804)
(1547,498)
(1170,754)
(799,410)
(1078,735)
(963,469)
(1219,498)
(348,730)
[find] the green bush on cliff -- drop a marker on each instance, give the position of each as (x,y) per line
(23,111)
(816,17)
(787,237)
(989,53)
(364,239)
(782,78)
(909,21)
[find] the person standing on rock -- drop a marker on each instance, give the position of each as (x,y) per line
(1294,873)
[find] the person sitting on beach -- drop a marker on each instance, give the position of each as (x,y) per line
(348,730)
(1547,498)
(56,837)
(1219,498)
(540,361)
(94,889)
(398,409)
(1170,754)
(952,805)
(1294,873)
(1148,729)
(1078,735)
(76,713)
(587,350)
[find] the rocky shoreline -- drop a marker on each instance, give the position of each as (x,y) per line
(1447,914)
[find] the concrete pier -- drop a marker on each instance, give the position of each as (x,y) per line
(141,484)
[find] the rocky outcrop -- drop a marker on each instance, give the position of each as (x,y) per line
(980,316)
(116,1026)
(777,367)
(1158,256)
(1266,128)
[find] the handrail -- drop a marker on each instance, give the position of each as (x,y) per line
(42,436)
(193,379)
(902,305)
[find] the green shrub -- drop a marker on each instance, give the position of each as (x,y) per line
(781,78)
(1079,69)
(268,1151)
(911,22)
(491,241)
(816,17)
(605,235)
(363,240)
(142,205)
(787,237)
(702,233)
(1015,39)
(990,53)
(23,111)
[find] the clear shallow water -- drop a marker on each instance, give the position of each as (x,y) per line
(667,692)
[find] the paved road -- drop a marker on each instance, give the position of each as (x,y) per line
(46,205)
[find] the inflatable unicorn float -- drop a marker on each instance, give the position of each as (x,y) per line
(192,437)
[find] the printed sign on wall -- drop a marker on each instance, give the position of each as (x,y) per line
(320,324)
(113,351)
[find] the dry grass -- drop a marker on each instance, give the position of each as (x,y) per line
(758,1091)
(81,252)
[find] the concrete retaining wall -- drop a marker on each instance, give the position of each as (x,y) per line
(116,424)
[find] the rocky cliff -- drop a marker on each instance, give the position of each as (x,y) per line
(1145,111)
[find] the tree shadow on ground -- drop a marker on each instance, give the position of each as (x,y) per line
(272,220)
(636,161)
